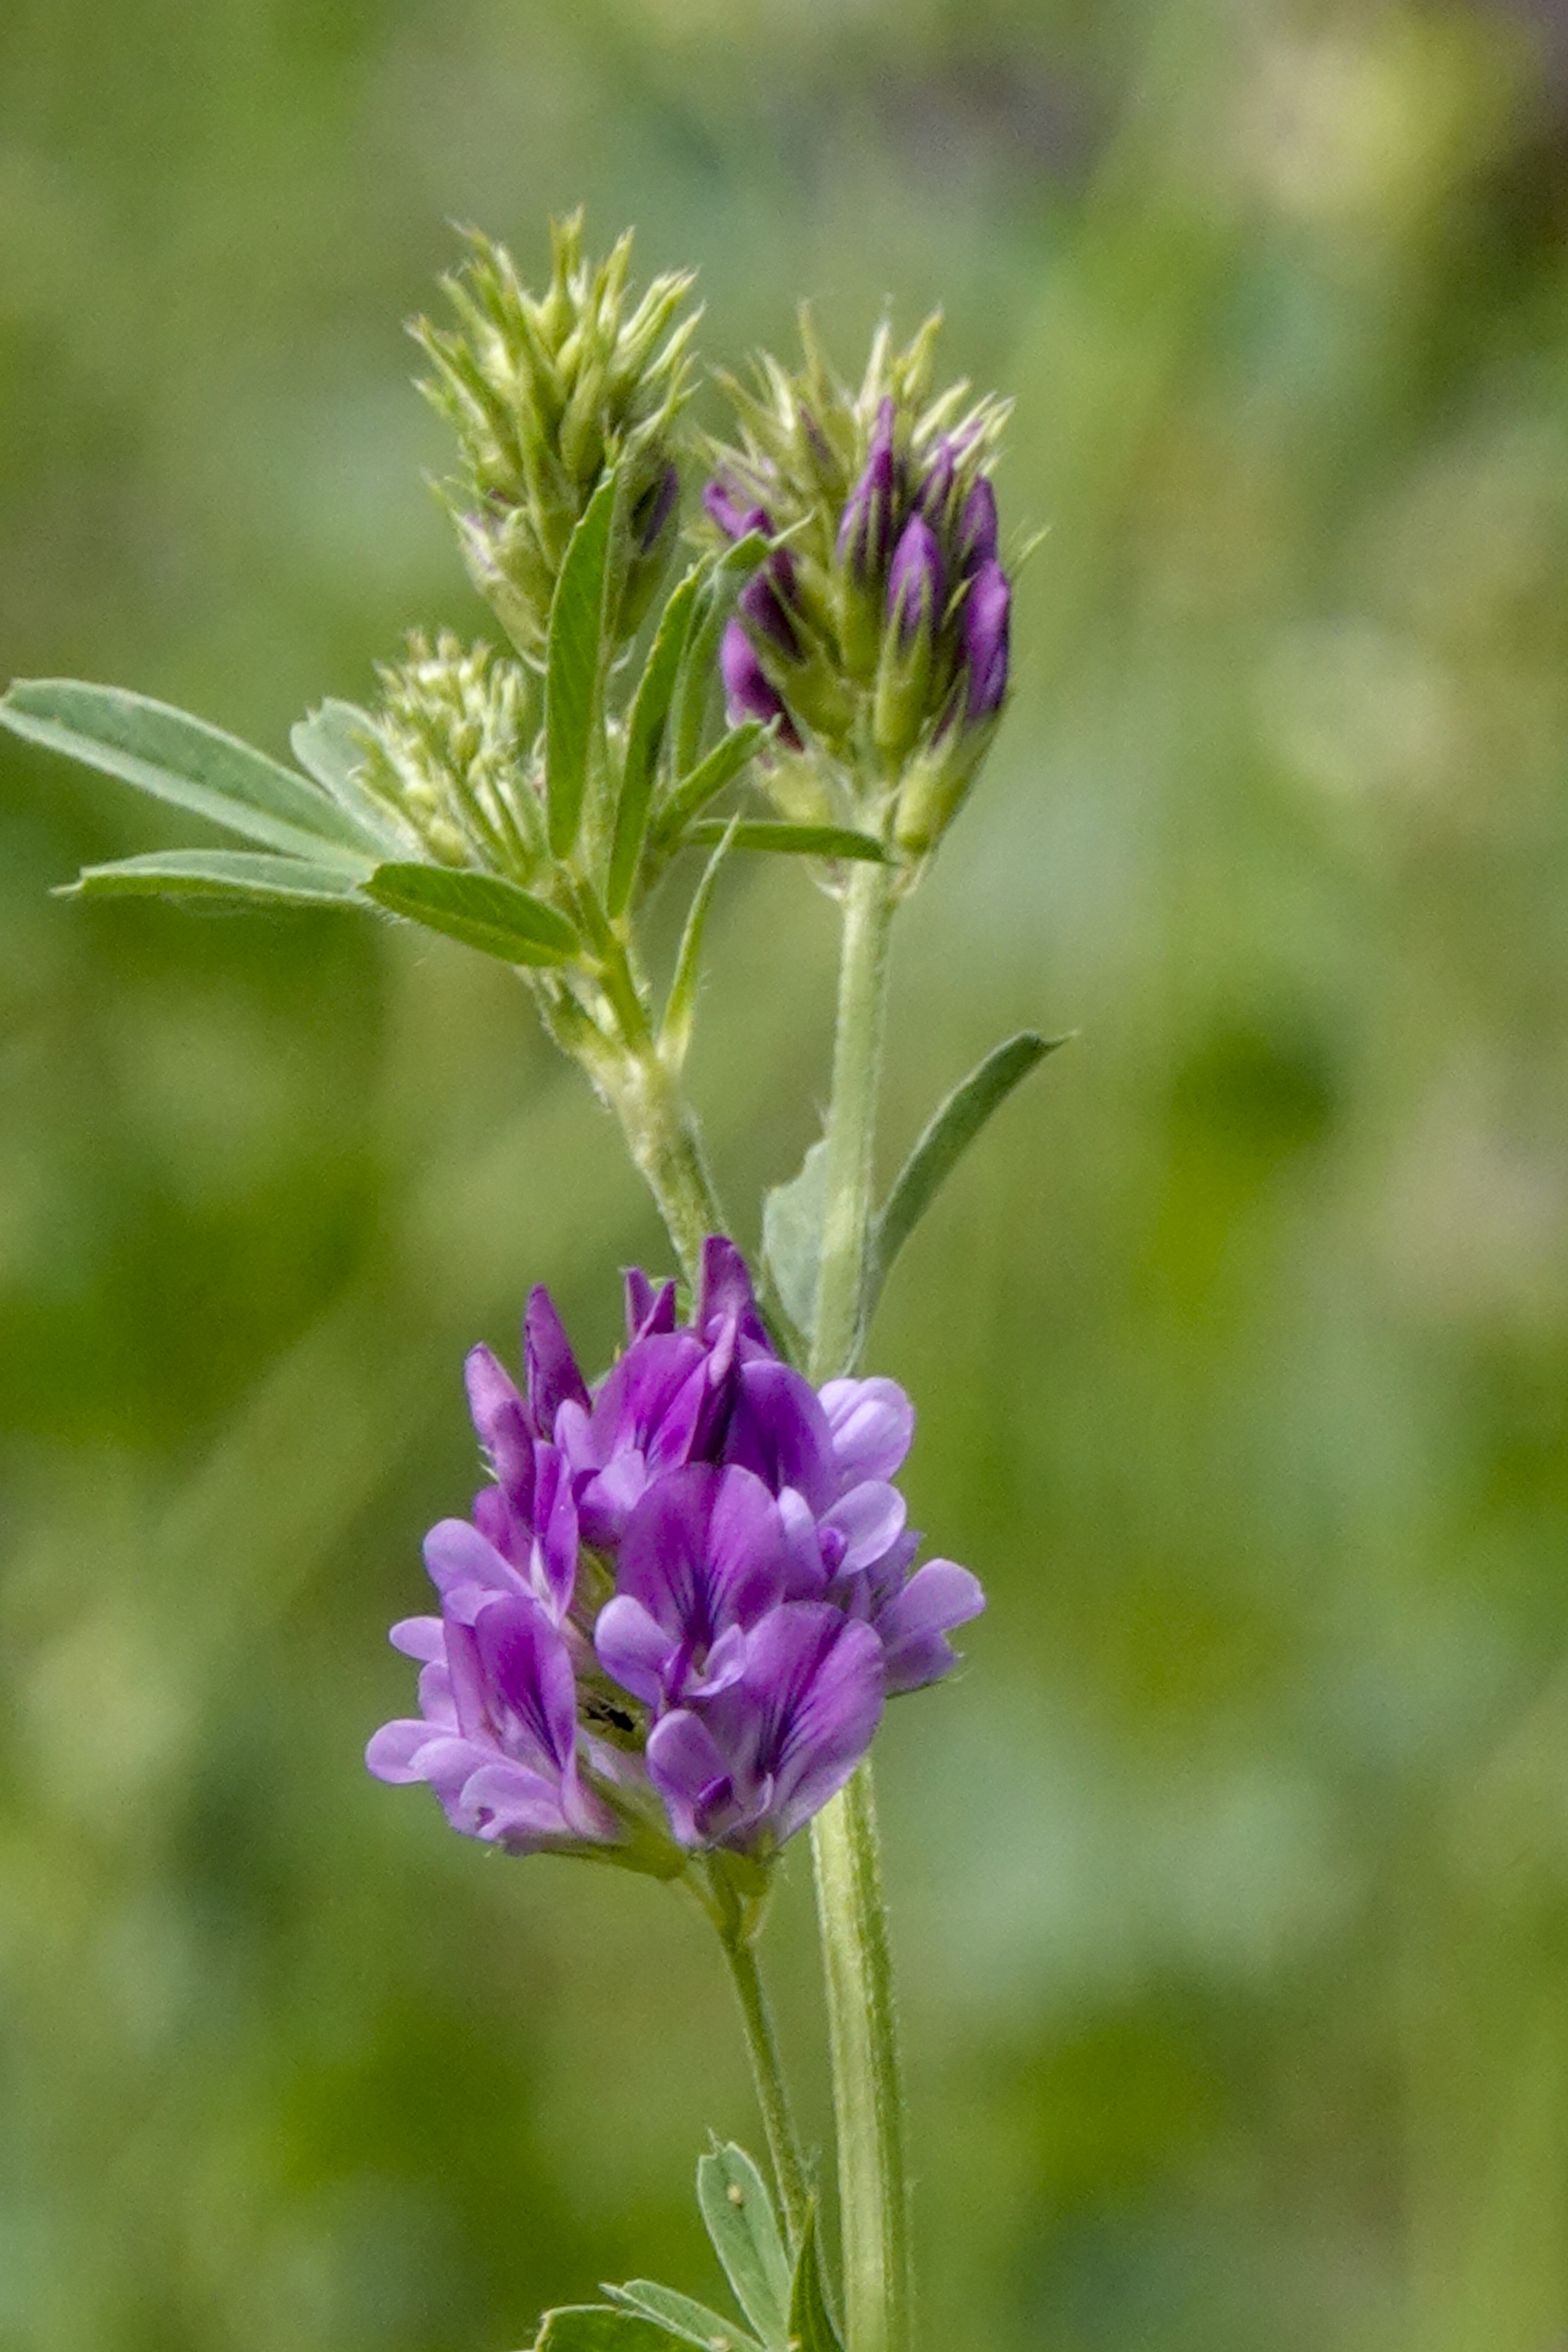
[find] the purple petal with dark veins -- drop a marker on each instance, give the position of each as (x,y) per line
(779,1430)
(552,1373)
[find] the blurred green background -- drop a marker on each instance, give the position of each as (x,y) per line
(1230,1881)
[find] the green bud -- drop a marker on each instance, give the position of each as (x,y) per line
(542,392)
(449,755)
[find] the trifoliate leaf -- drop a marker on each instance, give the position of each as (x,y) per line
(180,758)
(740,2220)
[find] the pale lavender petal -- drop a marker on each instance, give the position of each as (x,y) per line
(553,1557)
(511,1805)
(690,1771)
(873,1426)
(502,1419)
(394,1750)
(419,1637)
(633,1647)
(912,1627)
(869,1519)
(465,1568)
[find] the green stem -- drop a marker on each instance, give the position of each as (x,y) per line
(772,2095)
(867,2096)
(869,908)
(661,1135)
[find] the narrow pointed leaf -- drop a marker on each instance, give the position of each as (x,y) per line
(601,2328)
(951,1131)
(329,744)
(693,2323)
(811,2326)
(574,667)
(691,795)
(645,736)
(675,1031)
(792,1237)
(180,758)
(215,875)
(738,2215)
(480,909)
(700,668)
(795,840)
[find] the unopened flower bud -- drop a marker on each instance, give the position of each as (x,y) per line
(747,693)
(938,779)
(985,624)
(916,589)
(864,547)
(977,528)
(935,491)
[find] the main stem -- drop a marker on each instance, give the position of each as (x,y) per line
(868,2093)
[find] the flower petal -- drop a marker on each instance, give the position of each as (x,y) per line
(912,1627)
(873,1426)
(551,1368)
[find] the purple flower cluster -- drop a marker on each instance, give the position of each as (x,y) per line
(919,583)
(677,1610)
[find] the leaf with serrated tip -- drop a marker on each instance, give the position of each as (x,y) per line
(215,876)
(180,758)
(951,1129)
(481,909)
(693,2323)
(601,2328)
(739,2219)
(574,667)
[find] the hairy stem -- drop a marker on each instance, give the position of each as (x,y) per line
(867,2096)
(789,2164)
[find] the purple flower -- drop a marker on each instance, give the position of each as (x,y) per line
(496,1736)
(734,518)
(985,625)
(936,486)
(747,1766)
(746,1582)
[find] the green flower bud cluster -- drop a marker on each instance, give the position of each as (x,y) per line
(875,637)
(543,392)
(449,755)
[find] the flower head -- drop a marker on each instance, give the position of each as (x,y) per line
(856,624)
(673,1618)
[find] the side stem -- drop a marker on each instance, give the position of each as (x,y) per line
(772,2095)
(868,2093)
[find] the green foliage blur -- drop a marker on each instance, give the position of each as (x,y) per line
(1230,1881)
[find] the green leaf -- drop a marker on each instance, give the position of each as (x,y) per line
(691,795)
(329,744)
(947,1136)
(645,736)
(674,1030)
(180,758)
(792,1237)
(238,876)
(811,2324)
(480,909)
(573,666)
(693,2323)
(798,840)
(739,2219)
(600,2327)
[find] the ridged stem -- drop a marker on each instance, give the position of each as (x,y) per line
(867,2094)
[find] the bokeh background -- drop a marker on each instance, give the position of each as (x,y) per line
(1230,1883)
